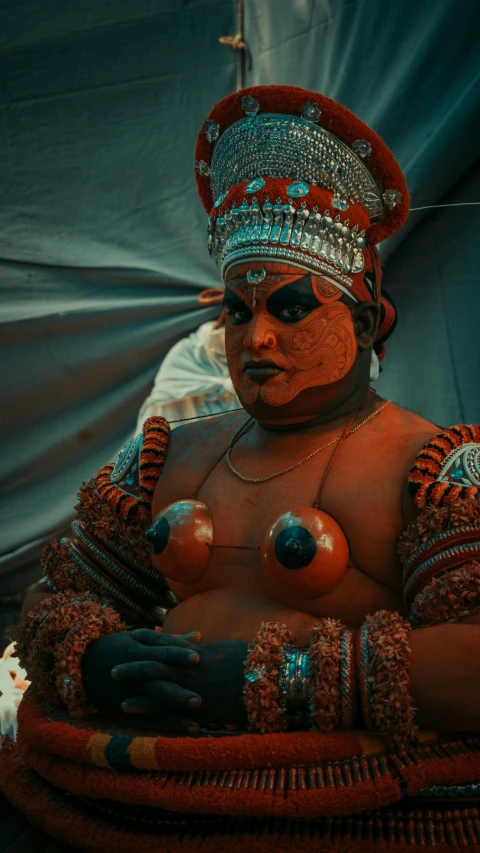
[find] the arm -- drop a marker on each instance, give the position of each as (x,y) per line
(101,579)
(440,553)
(445,677)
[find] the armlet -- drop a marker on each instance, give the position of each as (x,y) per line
(107,553)
(440,550)
(448,467)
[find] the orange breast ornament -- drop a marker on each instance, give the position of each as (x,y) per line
(181,539)
(305,552)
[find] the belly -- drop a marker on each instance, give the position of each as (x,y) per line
(233,614)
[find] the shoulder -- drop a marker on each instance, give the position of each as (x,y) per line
(194,449)
(205,436)
(403,434)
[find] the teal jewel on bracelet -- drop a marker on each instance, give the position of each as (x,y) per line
(256,674)
(255,185)
(298,189)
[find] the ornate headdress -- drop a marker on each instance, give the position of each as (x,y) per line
(290,175)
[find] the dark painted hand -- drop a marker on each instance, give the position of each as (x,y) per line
(164,663)
(217,678)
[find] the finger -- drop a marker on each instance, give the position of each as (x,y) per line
(171,722)
(158,638)
(159,667)
(146,670)
(169,694)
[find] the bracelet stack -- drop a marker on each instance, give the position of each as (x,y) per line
(383,663)
(262,694)
(52,645)
(315,689)
(287,687)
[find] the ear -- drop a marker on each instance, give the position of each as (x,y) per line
(366,316)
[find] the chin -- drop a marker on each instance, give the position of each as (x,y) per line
(304,406)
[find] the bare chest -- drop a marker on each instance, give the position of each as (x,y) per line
(362,493)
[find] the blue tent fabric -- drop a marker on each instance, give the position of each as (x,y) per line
(102,236)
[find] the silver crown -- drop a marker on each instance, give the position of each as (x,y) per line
(280,231)
(286,146)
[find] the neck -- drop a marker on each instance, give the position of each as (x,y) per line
(331,413)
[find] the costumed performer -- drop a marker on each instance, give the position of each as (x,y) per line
(315,555)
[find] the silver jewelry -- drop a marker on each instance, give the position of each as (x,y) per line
(295,684)
(296,464)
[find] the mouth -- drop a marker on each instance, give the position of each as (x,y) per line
(262,369)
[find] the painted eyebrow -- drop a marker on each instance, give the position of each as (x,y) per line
(231,299)
(298,291)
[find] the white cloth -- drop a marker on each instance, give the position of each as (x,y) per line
(13,682)
(193,379)
(374,366)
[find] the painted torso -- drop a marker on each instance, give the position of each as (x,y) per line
(364,493)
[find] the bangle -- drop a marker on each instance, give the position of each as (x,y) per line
(52,645)
(294,681)
(326,664)
(348,683)
(448,598)
(90,621)
(383,671)
(261,692)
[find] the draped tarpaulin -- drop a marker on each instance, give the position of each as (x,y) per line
(102,237)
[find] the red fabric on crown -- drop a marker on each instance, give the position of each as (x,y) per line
(288,100)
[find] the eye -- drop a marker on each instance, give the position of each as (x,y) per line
(239,315)
(291,313)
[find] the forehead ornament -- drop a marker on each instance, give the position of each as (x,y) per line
(254,277)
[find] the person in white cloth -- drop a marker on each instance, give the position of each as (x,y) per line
(193,379)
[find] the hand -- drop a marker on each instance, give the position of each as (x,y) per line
(217,677)
(166,660)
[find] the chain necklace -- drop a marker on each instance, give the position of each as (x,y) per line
(250,422)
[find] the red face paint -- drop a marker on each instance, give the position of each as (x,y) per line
(318,349)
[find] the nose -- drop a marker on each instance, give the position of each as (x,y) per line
(260,334)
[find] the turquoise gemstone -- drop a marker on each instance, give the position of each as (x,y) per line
(457,474)
(255,185)
(220,199)
(298,189)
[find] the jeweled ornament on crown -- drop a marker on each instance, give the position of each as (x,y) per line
(212,130)
(311,111)
(250,106)
(202,168)
(298,189)
(340,203)
(255,185)
(219,201)
(362,148)
(391,198)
